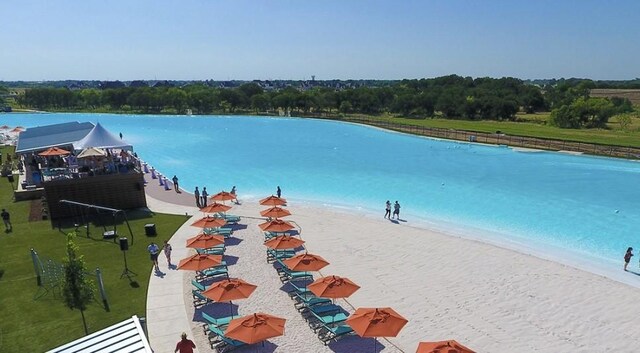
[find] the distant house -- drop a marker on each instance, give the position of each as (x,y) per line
(164,83)
(138,84)
(111,84)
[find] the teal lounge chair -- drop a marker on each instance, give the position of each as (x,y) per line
(288,275)
(327,334)
(219,322)
(303,302)
(225,343)
(213,272)
(272,254)
(317,321)
(216,250)
(233,219)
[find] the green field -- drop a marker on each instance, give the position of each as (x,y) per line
(34,320)
(532,125)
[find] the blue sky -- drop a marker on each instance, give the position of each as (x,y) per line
(294,39)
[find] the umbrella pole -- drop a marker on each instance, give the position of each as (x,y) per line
(231,308)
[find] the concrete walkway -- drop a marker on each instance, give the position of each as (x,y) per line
(166,312)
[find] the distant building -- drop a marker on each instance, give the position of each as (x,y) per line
(138,84)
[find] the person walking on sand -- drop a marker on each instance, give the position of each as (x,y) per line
(627,258)
(167,251)
(185,345)
(154,250)
(396,210)
(6,218)
(175,183)
(233,192)
(278,191)
(387,212)
(196,193)
(205,194)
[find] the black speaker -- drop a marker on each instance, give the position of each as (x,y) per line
(124,244)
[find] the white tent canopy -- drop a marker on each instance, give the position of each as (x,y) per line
(101,138)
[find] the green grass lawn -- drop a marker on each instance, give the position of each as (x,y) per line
(35,325)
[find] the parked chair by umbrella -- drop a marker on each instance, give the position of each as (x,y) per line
(205,241)
(273,201)
(450,346)
(228,290)
(255,328)
(376,322)
(209,222)
(276,226)
(223,196)
(215,208)
(199,262)
(333,287)
(275,212)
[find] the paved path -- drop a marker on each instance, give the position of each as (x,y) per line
(166,312)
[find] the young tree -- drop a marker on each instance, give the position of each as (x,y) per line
(78,289)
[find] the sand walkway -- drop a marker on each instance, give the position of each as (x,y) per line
(487,297)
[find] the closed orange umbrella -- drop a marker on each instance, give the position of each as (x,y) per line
(204,241)
(215,208)
(228,290)
(450,346)
(276,226)
(223,196)
(209,222)
(282,242)
(273,201)
(376,322)
(54,151)
(255,328)
(199,262)
(333,287)
(306,262)
(275,212)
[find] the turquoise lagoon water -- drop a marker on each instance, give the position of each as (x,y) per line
(587,205)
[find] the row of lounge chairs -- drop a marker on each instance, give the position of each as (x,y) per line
(324,317)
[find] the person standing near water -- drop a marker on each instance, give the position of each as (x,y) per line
(627,258)
(278,191)
(396,210)
(175,183)
(205,194)
(196,193)
(387,212)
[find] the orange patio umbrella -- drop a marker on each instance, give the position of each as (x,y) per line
(333,287)
(223,196)
(204,241)
(275,212)
(276,226)
(228,290)
(215,208)
(54,151)
(273,201)
(306,262)
(376,322)
(199,262)
(450,346)
(282,242)
(255,328)
(209,222)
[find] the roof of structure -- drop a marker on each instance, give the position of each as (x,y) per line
(40,138)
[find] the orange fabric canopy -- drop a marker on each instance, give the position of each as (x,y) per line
(209,222)
(273,201)
(204,241)
(229,289)
(199,262)
(255,328)
(333,287)
(223,196)
(283,242)
(54,151)
(306,262)
(276,226)
(275,212)
(215,208)
(450,346)
(376,322)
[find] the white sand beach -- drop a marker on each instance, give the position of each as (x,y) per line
(488,298)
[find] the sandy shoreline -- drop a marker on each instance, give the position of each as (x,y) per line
(490,298)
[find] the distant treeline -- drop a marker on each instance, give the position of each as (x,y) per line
(452,97)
